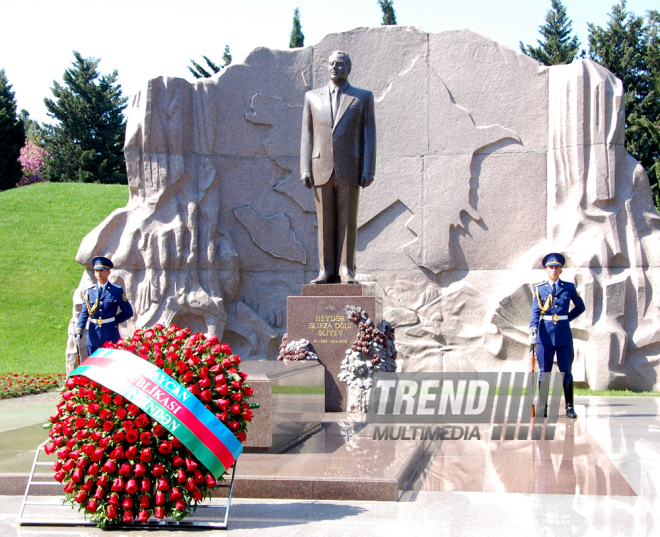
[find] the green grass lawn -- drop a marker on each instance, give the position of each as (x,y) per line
(41,227)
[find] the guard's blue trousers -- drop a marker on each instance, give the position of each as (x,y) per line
(545,355)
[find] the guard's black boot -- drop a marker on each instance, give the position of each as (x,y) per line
(545,408)
(568,397)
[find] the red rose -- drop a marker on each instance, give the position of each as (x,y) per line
(100,492)
(80,497)
(199,476)
(94,408)
(236,384)
(235,408)
(50,448)
(197,495)
(131,486)
(132,436)
(92,504)
(203,371)
(216,368)
(128,424)
(247,415)
(109,467)
(160,498)
(204,382)
(118,436)
(71,442)
(131,453)
(177,461)
(206,395)
(127,503)
(59,476)
(82,463)
(120,413)
(143,516)
(188,376)
(125,469)
(128,516)
(92,423)
(93,469)
(165,447)
(233,425)
(181,476)
(77,475)
(105,414)
(88,485)
(248,392)
(111,512)
(159,361)
(118,484)
(241,436)
(68,488)
(168,371)
(175,495)
(140,469)
(103,480)
(176,442)
(81,422)
(194,389)
(108,425)
(163,485)
(236,396)
(57,466)
(145,455)
(145,486)
(223,416)
(118,400)
(141,421)
(144,501)
(117,453)
(223,389)
(158,470)
(70,382)
(210,481)
(179,505)
(145,437)
(191,485)
(96,436)
(159,512)
(191,465)
(226,363)
(104,442)
(225,348)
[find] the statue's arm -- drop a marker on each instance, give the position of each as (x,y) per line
(369,136)
(306,145)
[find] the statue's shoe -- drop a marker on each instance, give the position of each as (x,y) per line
(346,275)
(323,278)
(570,412)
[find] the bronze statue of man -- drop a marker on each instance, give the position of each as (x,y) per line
(337,157)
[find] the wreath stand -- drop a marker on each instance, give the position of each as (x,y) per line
(201,521)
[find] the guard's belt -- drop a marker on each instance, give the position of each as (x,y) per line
(101,322)
(555,318)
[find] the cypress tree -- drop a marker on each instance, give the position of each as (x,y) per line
(389,17)
(12,136)
(297,38)
(558,46)
(630,49)
(201,72)
(86,143)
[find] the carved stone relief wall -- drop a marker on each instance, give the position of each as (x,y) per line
(487,160)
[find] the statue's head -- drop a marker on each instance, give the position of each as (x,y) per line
(339,66)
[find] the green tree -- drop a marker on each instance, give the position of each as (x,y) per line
(12,136)
(32,127)
(558,45)
(201,72)
(389,17)
(630,48)
(86,143)
(297,37)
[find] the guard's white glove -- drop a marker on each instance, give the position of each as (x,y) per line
(76,339)
(532,336)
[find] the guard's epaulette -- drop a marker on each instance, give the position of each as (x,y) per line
(115,285)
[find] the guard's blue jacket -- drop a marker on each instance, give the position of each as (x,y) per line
(555,332)
(111,303)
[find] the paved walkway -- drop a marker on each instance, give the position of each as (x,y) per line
(612,432)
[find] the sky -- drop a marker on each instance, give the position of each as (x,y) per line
(143,39)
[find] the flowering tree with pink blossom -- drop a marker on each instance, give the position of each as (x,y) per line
(31,159)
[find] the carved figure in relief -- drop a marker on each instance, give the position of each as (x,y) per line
(550,325)
(105,306)
(337,157)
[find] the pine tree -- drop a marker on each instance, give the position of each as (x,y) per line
(86,143)
(200,72)
(297,37)
(12,136)
(630,49)
(32,127)
(558,46)
(389,17)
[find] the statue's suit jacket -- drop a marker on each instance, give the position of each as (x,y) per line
(348,147)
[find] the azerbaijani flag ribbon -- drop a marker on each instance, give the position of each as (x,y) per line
(167,402)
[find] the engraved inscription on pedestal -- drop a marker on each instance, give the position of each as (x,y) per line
(322,321)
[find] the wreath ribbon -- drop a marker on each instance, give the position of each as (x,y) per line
(167,402)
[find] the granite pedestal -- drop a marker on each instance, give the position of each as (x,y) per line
(319,316)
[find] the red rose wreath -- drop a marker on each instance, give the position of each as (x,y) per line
(120,465)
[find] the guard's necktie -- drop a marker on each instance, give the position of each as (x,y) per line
(554,289)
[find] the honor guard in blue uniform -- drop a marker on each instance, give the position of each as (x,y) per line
(105,306)
(550,325)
